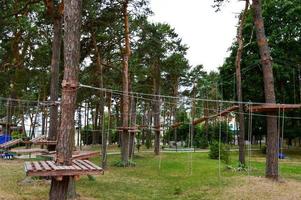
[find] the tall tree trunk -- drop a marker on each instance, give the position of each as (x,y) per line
(72,23)
(241,138)
(125,88)
(174,108)
(106,134)
(55,65)
(133,123)
(268,78)
(156,106)
(95,132)
(193,111)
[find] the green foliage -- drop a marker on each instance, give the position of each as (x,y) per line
(219,151)
(201,141)
(17,135)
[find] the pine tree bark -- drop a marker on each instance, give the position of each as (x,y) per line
(269,92)
(241,138)
(55,65)
(72,23)
(156,106)
(133,123)
(125,88)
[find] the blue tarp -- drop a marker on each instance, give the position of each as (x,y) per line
(5,138)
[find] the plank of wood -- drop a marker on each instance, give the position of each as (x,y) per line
(52,165)
(37,166)
(28,166)
(45,166)
(76,167)
(80,165)
(86,165)
(93,165)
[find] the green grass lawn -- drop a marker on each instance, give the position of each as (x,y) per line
(167,177)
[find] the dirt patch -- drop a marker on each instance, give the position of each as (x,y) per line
(260,188)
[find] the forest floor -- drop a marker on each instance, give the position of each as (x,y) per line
(171,176)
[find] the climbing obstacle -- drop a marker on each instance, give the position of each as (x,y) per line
(9,144)
(79,155)
(49,168)
(272,107)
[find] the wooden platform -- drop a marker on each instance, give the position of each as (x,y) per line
(28,151)
(42,137)
(45,142)
(274,107)
(78,155)
(49,168)
(11,143)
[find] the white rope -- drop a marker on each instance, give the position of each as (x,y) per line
(187,98)
(166,96)
(219,145)
(250,141)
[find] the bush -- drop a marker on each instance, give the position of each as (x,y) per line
(17,135)
(224,152)
(201,142)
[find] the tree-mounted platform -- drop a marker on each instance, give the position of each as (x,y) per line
(28,151)
(45,142)
(273,107)
(9,144)
(49,168)
(77,155)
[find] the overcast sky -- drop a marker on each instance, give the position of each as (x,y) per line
(207,33)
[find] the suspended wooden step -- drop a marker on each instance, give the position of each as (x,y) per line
(28,151)
(226,111)
(273,107)
(10,143)
(77,155)
(127,128)
(42,137)
(49,168)
(199,120)
(45,142)
(176,125)
(134,131)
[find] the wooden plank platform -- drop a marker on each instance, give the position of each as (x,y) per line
(274,107)
(27,151)
(79,155)
(42,137)
(11,143)
(49,168)
(45,142)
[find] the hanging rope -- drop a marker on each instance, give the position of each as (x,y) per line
(219,143)
(250,140)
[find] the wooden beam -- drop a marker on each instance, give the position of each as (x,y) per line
(273,107)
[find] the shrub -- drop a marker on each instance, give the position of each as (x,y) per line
(201,142)
(224,152)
